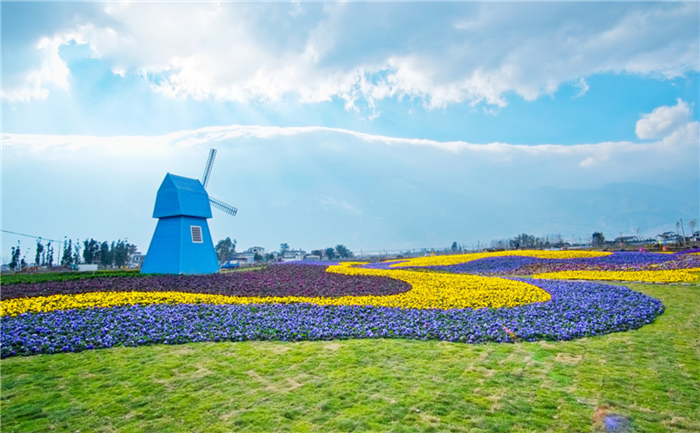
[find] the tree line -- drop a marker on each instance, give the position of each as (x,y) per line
(526,241)
(90,251)
(340,251)
(226,250)
(117,254)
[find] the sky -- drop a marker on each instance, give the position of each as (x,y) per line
(377,125)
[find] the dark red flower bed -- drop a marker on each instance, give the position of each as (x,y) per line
(278,280)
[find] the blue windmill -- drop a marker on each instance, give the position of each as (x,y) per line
(182,243)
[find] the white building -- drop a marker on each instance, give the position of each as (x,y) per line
(292,256)
(256,250)
(136,260)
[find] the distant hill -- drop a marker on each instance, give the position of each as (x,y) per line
(613,208)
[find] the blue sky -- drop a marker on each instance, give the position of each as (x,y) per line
(376,125)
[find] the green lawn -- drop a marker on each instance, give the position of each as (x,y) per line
(651,376)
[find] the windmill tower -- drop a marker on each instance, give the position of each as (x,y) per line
(182,243)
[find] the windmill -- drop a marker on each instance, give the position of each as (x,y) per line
(182,243)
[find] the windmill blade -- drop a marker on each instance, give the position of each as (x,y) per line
(208,167)
(223,206)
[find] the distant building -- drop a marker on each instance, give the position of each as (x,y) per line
(256,250)
(243,258)
(292,256)
(136,260)
(668,238)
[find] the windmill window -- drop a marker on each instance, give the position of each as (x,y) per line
(196,234)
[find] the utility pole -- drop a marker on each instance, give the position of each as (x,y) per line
(683,231)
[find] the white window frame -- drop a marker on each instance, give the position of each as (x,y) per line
(194,229)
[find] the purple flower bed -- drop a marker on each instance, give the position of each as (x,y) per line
(508,265)
(277,280)
(693,251)
(576,310)
(626,258)
(619,261)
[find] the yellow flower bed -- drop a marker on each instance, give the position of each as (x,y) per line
(428,291)
(672,276)
(42,304)
(437,290)
(464,258)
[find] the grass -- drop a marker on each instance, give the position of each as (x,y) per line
(244,269)
(42,277)
(651,375)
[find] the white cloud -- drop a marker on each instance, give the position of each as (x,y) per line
(353,51)
(329,203)
(583,88)
(53,72)
(663,121)
(679,138)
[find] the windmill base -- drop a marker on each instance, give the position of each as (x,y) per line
(178,247)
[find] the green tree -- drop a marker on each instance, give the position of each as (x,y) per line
(225,248)
(269,257)
(343,251)
(67,257)
(120,253)
(105,256)
(284,248)
(14,263)
(91,251)
(257,257)
(39,251)
(330,253)
(76,252)
(318,253)
(49,255)
(454,247)
(524,241)
(598,240)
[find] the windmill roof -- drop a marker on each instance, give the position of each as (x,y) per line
(179,195)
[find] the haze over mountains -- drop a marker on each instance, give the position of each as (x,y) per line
(318,188)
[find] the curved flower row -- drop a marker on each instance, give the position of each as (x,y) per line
(575,310)
(504,265)
(674,276)
(429,291)
(524,265)
(619,261)
(435,290)
(464,258)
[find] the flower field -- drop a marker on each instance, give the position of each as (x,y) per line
(574,310)
(452,298)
